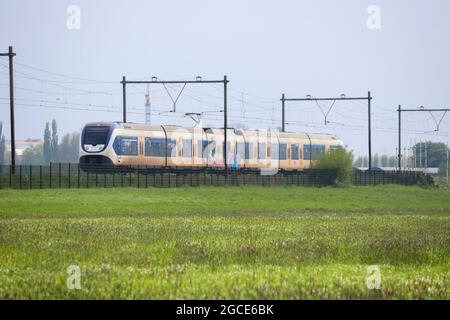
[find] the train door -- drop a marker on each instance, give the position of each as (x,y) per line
(288,154)
(300,155)
(209,151)
(141,149)
(198,145)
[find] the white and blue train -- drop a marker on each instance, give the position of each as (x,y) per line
(129,144)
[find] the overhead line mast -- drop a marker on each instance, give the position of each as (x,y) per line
(341,98)
(198,80)
(10,55)
(421,109)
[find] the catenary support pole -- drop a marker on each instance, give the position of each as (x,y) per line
(282,113)
(225,124)
(124,89)
(10,55)
(399,155)
(447,165)
(369,98)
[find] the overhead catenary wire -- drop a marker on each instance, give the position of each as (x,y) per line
(256,110)
(169,114)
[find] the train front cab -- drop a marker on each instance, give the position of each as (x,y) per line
(94,142)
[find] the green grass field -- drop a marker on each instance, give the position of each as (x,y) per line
(227,242)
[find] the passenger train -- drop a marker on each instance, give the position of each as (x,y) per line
(121,144)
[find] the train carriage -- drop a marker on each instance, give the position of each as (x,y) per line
(118,144)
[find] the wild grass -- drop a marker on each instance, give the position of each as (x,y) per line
(227,242)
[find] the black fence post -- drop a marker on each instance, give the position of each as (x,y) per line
(130,178)
(20,176)
(40,177)
(78,177)
(69,177)
(146,178)
(59,174)
(50,175)
(138,183)
(10,176)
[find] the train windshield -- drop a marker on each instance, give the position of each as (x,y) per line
(95,135)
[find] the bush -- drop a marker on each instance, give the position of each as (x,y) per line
(339,159)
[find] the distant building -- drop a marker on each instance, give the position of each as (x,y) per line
(22,145)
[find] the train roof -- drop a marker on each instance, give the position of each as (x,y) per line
(172,128)
(99,124)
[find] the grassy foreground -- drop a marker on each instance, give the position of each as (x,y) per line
(229,242)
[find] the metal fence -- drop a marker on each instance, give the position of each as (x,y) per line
(66,175)
(376,177)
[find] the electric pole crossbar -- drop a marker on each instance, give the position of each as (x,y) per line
(341,98)
(198,80)
(421,109)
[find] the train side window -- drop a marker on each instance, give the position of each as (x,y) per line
(335,147)
(126,146)
(283,151)
(171,148)
(294,152)
(262,150)
(155,147)
(201,148)
(306,151)
(275,151)
(240,150)
(248,150)
(316,150)
(186,149)
(313,152)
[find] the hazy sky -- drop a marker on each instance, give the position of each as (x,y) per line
(322,48)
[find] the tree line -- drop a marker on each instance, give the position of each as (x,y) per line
(51,150)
